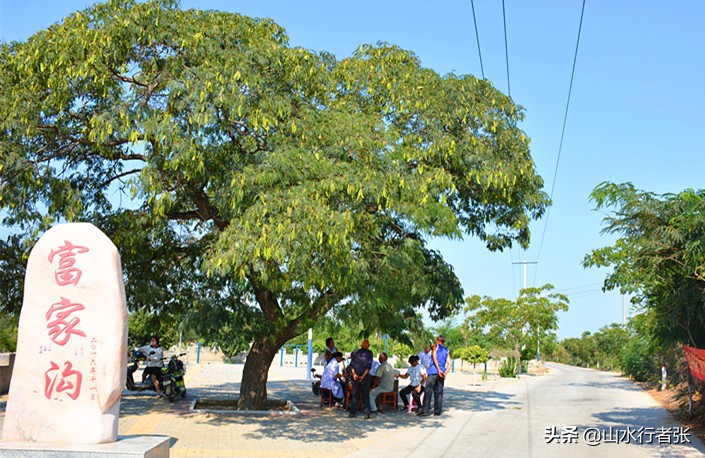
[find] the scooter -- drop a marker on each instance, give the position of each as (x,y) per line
(173,378)
(316,384)
(132,366)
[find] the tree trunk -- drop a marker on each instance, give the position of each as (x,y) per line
(253,389)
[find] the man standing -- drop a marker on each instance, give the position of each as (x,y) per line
(360,363)
(385,374)
(435,378)
(425,357)
(330,349)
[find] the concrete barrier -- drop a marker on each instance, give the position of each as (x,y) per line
(124,447)
(7,362)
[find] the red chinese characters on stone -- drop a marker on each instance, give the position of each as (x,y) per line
(68,381)
(60,327)
(67,274)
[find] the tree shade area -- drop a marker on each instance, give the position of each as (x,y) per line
(252,187)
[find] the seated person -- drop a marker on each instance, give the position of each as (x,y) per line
(385,380)
(417,377)
(332,376)
(155,355)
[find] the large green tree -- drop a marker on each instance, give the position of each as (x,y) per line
(530,318)
(253,185)
(659,256)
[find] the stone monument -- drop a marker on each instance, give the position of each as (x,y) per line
(70,366)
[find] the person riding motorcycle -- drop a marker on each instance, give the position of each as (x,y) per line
(155,356)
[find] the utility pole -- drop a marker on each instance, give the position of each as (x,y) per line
(538,354)
(310,354)
(624,310)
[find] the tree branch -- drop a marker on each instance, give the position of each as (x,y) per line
(266,300)
(127,79)
(185,216)
(118,176)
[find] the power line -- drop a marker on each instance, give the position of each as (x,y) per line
(565,120)
(589,286)
(506,49)
(477,37)
(583,294)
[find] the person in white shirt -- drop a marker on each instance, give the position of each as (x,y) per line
(417,376)
(155,355)
(332,375)
(425,357)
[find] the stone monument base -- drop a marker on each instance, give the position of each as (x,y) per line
(124,447)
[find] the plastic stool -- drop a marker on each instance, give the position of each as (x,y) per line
(412,403)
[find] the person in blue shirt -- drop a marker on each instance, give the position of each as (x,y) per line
(435,378)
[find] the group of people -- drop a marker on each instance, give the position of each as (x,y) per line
(367,378)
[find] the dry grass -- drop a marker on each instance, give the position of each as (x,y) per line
(675,400)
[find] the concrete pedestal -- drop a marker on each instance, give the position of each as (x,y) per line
(125,447)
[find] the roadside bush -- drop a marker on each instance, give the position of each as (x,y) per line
(637,362)
(8,333)
(508,367)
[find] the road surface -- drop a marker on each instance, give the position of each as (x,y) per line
(569,412)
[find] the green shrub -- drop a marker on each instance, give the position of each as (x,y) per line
(508,367)
(637,362)
(8,333)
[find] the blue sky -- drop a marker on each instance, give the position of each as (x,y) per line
(635,112)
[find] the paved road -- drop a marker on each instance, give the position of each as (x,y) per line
(498,419)
(518,417)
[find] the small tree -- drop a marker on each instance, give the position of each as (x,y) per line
(474,354)
(533,313)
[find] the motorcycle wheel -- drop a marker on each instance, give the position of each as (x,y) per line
(169,392)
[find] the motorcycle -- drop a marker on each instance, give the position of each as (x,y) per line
(316,384)
(171,380)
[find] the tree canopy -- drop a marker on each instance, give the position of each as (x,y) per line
(659,256)
(253,185)
(532,316)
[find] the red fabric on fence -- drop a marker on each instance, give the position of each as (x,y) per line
(696,361)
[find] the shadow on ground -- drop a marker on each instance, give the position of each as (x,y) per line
(317,424)
(611,385)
